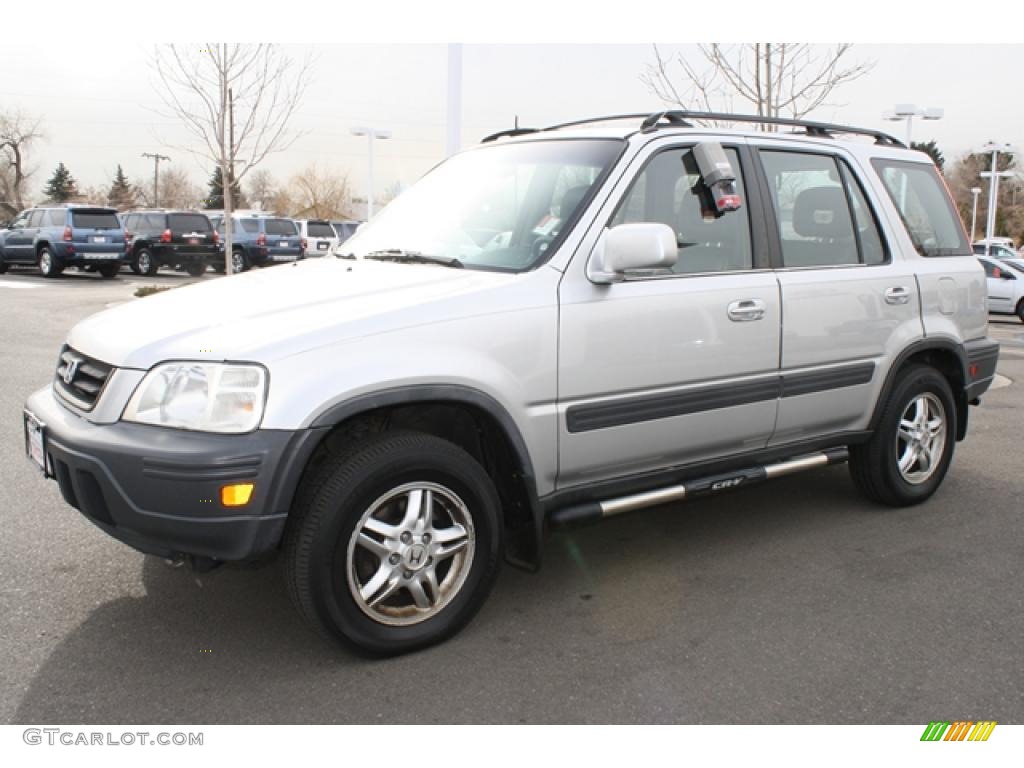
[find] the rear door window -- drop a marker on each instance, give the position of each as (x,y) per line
(280,227)
(95,220)
(189,222)
(250,225)
(923,204)
(35,219)
(54,218)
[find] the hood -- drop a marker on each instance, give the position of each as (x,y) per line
(270,313)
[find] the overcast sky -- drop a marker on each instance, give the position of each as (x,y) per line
(103,109)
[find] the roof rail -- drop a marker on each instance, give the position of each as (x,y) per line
(811,127)
(681,118)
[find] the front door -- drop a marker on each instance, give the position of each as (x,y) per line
(677,366)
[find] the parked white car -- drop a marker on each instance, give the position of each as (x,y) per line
(319,235)
(1005,286)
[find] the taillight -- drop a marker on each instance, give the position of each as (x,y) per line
(166,236)
(261,239)
(303,243)
(67,234)
(216,238)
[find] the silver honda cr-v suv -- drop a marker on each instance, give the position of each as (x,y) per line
(553,327)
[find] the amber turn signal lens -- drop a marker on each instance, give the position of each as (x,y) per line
(236,495)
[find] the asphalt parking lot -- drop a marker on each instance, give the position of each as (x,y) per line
(794,602)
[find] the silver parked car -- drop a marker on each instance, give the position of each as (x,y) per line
(554,327)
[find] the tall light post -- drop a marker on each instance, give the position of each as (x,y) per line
(993,189)
(908,112)
(370,134)
(975,191)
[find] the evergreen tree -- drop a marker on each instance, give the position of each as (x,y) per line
(215,197)
(122,193)
(931,149)
(61,187)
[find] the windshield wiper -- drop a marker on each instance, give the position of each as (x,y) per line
(413,257)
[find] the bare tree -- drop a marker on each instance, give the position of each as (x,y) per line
(177,190)
(262,188)
(237,101)
(318,193)
(775,79)
(17,133)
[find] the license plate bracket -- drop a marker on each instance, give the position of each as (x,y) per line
(35,442)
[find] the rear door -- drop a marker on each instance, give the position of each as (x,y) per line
(283,242)
(667,368)
(191,234)
(850,305)
(321,237)
(97,233)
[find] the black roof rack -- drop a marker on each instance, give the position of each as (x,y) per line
(679,118)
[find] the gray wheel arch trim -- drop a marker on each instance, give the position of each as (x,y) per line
(938,344)
(456,394)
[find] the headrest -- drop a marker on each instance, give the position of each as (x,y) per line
(822,212)
(571,199)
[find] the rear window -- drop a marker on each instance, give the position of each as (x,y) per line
(95,220)
(189,222)
(280,227)
(320,229)
(923,203)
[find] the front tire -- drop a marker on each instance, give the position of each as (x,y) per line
(1020,310)
(394,544)
(909,453)
(49,265)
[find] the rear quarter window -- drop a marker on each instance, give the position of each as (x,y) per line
(923,204)
(95,220)
(250,225)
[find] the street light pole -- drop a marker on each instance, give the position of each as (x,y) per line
(908,112)
(370,134)
(156,175)
(993,190)
(975,191)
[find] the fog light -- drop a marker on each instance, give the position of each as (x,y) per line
(236,495)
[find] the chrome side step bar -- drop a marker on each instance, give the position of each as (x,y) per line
(593,511)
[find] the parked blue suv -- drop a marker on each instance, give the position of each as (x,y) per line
(260,241)
(69,236)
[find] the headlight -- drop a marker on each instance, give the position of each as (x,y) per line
(208,397)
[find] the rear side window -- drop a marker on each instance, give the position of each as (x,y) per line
(189,222)
(35,219)
(95,220)
(823,216)
(250,225)
(280,227)
(670,191)
(54,218)
(921,199)
(320,229)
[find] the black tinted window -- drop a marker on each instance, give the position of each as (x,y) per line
(320,229)
(95,220)
(921,200)
(280,227)
(670,190)
(189,222)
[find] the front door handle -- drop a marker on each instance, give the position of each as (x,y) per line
(745,310)
(897,295)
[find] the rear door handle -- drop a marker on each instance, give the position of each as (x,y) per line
(745,310)
(897,295)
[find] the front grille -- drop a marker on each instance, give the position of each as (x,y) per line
(86,383)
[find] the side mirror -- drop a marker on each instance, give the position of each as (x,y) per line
(644,245)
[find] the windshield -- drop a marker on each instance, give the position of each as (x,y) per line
(497,207)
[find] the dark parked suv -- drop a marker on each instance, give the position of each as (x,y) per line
(54,238)
(169,238)
(259,241)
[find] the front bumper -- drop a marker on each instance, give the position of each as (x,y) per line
(158,489)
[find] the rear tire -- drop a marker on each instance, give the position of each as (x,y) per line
(196,270)
(394,544)
(145,263)
(238,261)
(909,453)
(109,271)
(1020,310)
(3,266)
(49,264)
